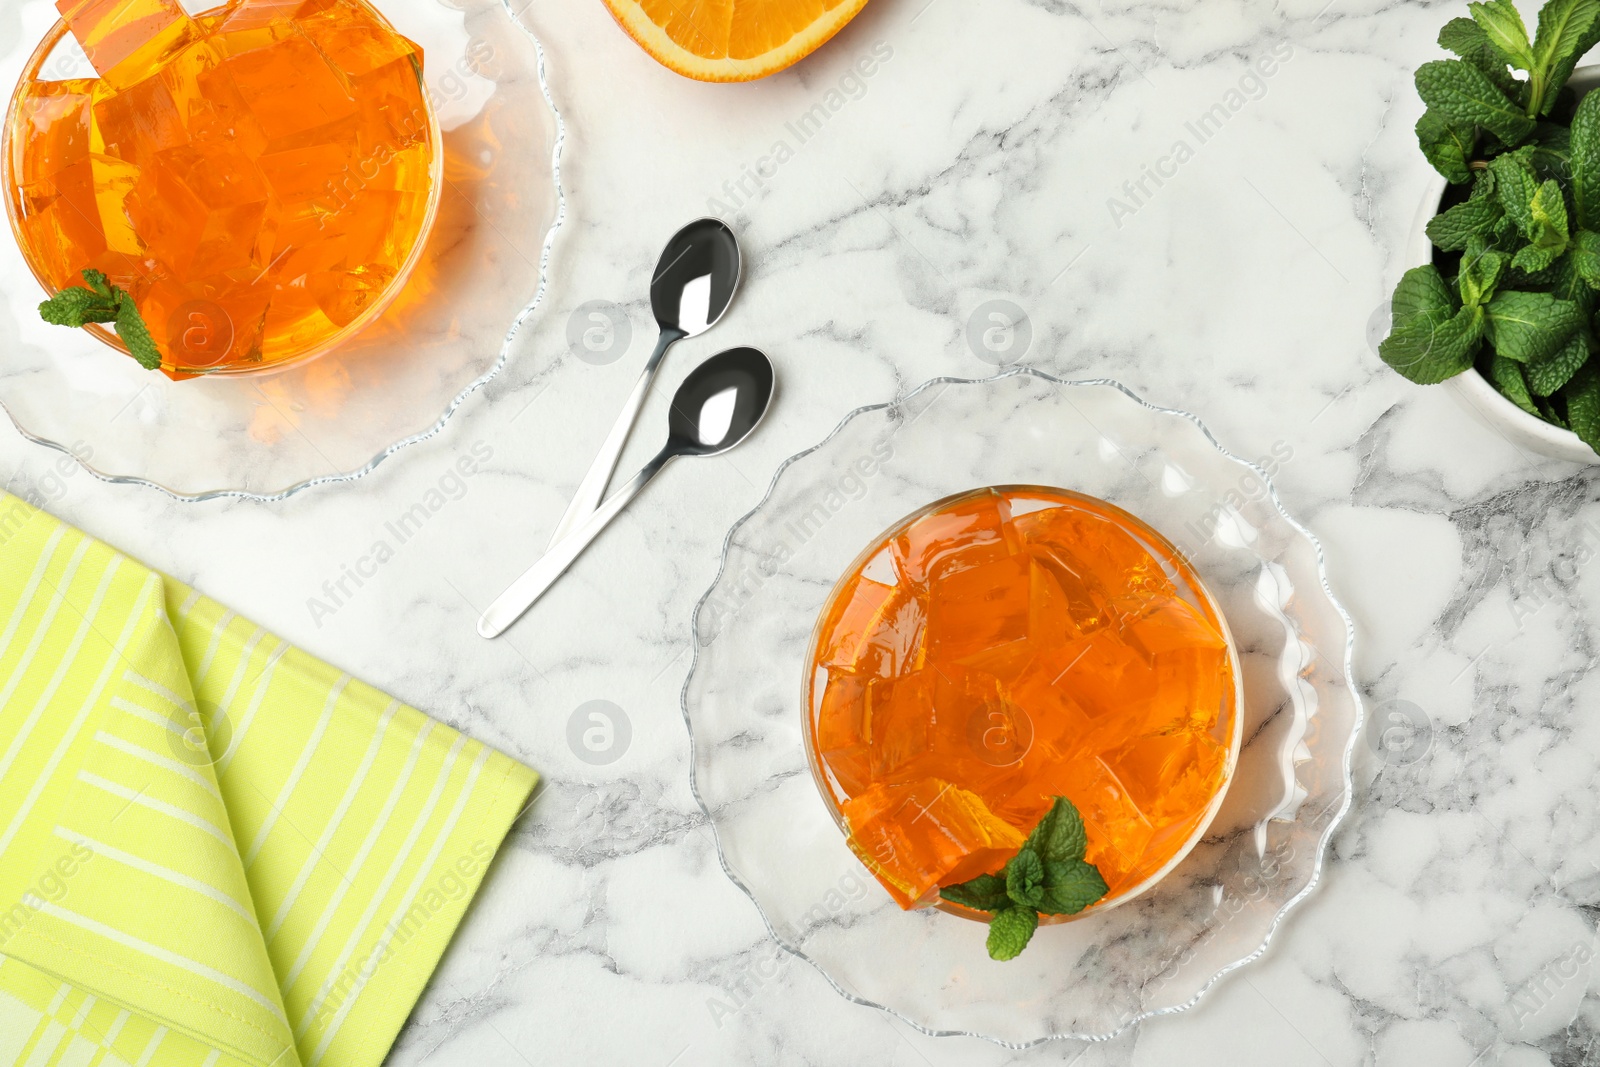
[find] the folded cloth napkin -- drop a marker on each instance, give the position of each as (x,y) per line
(214,849)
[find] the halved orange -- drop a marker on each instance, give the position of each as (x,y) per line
(731,40)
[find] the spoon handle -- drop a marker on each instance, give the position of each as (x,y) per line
(593,487)
(523,593)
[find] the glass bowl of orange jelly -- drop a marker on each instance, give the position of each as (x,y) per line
(1002,647)
(261,178)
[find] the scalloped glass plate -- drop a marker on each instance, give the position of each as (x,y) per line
(1089,979)
(337,417)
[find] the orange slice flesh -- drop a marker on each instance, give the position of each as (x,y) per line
(731,40)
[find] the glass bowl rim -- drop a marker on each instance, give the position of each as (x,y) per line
(876,546)
(1347,664)
(558,143)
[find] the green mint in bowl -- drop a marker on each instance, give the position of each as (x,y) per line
(1503,304)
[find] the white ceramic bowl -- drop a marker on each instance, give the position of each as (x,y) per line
(1469,388)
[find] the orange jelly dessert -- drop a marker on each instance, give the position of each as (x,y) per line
(259,178)
(1004,647)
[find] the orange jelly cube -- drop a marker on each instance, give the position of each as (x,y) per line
(123,38)
(881,631)
(54,120)
(1028,644)
(913,836)
(968,534)
(980,609)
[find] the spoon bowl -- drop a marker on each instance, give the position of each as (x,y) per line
(693,285)
(720,403)
(695,278)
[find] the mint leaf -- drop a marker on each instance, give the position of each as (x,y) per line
(1466,39)
(1025,877)
(1431,340)
(1427,350)
(98,282)
(134,333)
(1048,873)
(1547,376)
(1547,226)
(1450,229)
(1516,185)
(1583,405)
(1552,151)
(1447,145)
(1567,29)
(1586,161)
(1464,94)
(1482,184)
(1569,284)
(1549,211)
(1505,231)
(1070,886)
(1529,327)
(1502,25)
(1531,259)
(1507,377)
(103,302)
(1481,268)
(987,892)
(75,306)
(1586,257)
(1010,931)
(1059,834)
(1543,280)
(1421,292)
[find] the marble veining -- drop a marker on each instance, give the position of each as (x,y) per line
(1455,923)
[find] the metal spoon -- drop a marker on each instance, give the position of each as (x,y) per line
(693,285)
(716,407)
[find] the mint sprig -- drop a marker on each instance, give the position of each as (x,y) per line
(103,302)
(1047,876)
(1517,283)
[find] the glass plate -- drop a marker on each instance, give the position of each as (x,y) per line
(333,419)
(1089,979)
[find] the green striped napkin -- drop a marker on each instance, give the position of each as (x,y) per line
(214,849)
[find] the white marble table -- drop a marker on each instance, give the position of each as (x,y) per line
(984,158)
